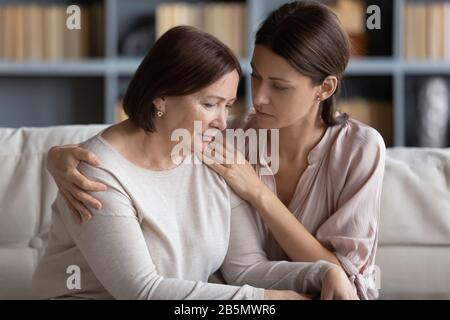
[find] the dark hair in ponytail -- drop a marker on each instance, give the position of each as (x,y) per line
(310,37)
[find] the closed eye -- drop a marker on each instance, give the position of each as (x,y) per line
(278,87)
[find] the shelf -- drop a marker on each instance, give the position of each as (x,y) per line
(127,66)
(92,67)
(370,66)
(385,72)
(422,67)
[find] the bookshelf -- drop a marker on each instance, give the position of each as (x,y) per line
(42,93)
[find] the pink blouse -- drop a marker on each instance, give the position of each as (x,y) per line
(338,197)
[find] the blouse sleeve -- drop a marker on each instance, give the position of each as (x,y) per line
(351,232)
(246,261)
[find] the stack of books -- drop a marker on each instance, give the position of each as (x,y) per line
(427,30)
(375,113)
(39,32)
(352,15)
(226,21)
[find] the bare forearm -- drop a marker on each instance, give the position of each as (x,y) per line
(298,243)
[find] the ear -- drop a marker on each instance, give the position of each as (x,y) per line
(328,87)
(160,104)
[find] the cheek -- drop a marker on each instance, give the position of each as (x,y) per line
(292,106)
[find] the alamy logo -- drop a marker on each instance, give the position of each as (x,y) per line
(374,20)
(257,142)
(73,21)
(74,280)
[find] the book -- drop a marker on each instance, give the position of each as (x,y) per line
(76,41)
(34,34)
(420,43)
(2,30)
(447,30)
(19,52)
(226,21)
(351,14)
(435,31)
(120,113)
(97,36)
(169,15)
(408,32)
(54,25)
(375,113)
(8,34)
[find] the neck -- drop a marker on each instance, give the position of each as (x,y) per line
(152,149)
(297,140)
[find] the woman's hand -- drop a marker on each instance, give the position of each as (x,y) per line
(337,286)
(284,295)
(235,169)
(62,164)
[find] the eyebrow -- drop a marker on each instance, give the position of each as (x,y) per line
(271,78)
(222,98)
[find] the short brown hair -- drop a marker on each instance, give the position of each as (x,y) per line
(183,61)
(310,37)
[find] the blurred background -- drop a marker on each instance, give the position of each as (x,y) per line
(398,79)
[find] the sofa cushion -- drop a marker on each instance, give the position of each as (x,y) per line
(414,272)
(415,205)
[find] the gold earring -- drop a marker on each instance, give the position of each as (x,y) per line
(160,114)
(318,98)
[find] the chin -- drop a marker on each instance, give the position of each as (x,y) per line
(266,124)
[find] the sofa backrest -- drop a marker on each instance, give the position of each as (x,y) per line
(26,194)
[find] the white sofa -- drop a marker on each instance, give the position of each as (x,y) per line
(414,243)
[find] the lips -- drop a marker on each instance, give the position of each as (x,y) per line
(262,114)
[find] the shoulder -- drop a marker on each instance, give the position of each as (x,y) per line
(354,138)
(358,134)
(107,171)
(216,184)
(357,148)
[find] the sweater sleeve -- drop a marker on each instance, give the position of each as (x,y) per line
(115,249)
(247,263)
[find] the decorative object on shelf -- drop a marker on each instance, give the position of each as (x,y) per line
(139,37)
(433,105)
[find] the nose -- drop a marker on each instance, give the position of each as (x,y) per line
(220,120)
(260,95)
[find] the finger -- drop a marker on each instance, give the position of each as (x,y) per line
(84,183)
(223,155)
(72,209)
(215,151)
(214,165)
(87,156)
(84,212)
(233,153)
(85,198)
